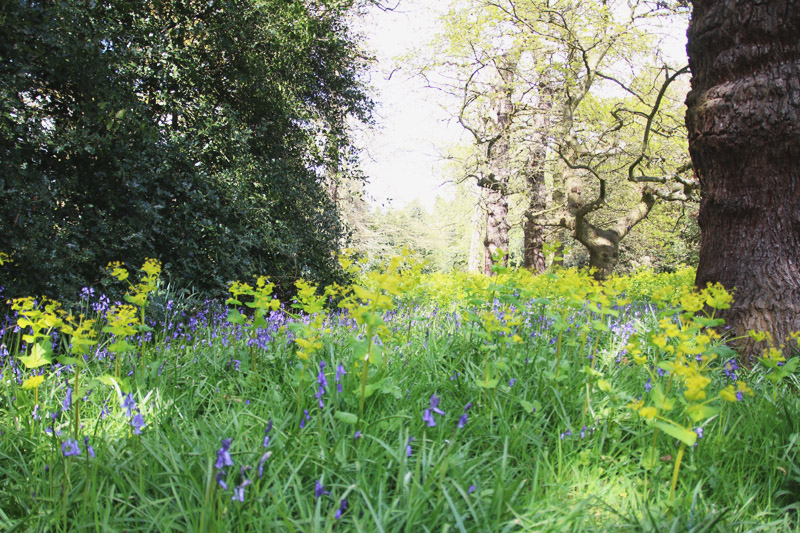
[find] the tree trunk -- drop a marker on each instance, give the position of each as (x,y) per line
(533,234)
(744,137)
(496,228)
(498,160)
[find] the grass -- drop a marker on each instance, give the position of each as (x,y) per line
(530,456)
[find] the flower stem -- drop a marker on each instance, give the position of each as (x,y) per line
(678,460)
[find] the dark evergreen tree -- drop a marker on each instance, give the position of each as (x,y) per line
(201,133)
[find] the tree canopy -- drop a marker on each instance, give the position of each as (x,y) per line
(206,134)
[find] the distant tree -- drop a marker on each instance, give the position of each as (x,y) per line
(529,78)
(201,133)
(744,137)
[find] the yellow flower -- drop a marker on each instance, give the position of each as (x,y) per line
(695,386)
(743,388)
(118,270)
(636,405)
(647,412)
(692,302)
(717,296)
(660,341)
(728,394)
(32,383)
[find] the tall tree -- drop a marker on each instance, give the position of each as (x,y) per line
(199,132)
(744,137)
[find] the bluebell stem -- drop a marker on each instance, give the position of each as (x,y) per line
(266,433)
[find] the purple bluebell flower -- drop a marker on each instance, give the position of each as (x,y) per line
(67,403)
(138,423)
(427,417)
(319,489)
(699,432)
(409,451)
(129,403)
(70,447)
(463,419)
(266,433)
(321,376)
(36,415)
(238,491)
(342,508)
(340,372)
(223,455)
(221,480)
(261,463)
(89,449)
(305,418)
(730,369)
(566,434)
(357,435)
(512,381)
(435,405)
(471,489)
(648,385)
(104,411)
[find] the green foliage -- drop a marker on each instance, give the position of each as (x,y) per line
(491,417)
(201,133)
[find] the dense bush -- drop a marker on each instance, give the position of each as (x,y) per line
(202,133)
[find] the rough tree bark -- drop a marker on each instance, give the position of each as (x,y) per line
(744,137)
(497,226)
(498,161)
(533,233)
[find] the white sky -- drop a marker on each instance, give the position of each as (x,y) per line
(402,152)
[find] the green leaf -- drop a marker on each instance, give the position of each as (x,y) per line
(686,436)
(370,389)
(37,358)
(376,355)
(660,401)
(389,387)
(235,317)
(121,346)
(488,383)
(360,348)
(700,412)
(71,361)
(347,418)
(708,322)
